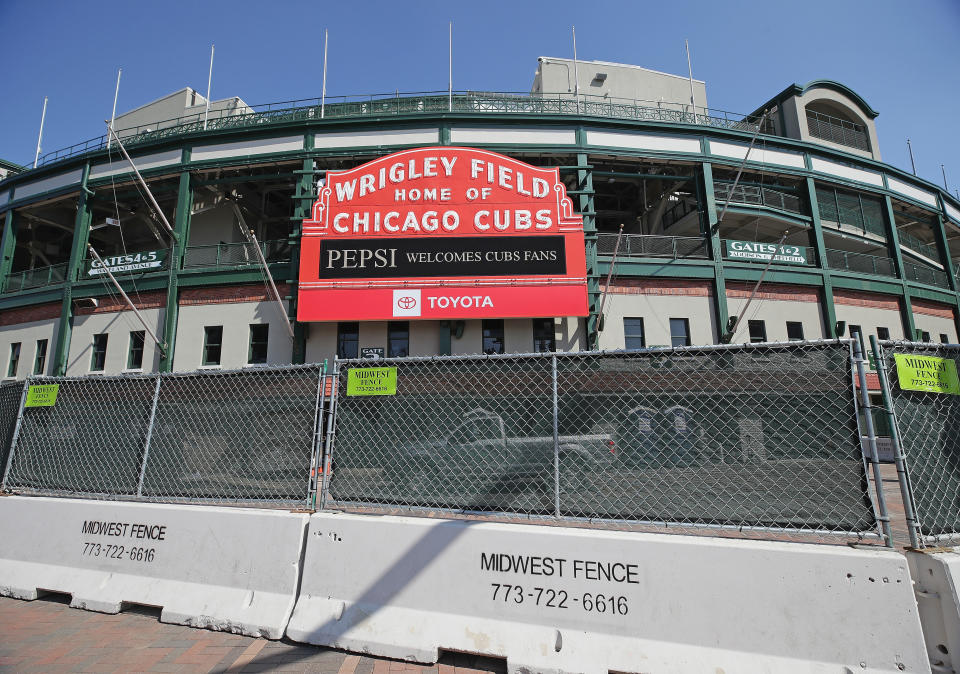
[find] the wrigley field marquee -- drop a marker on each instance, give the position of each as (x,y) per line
(442,233)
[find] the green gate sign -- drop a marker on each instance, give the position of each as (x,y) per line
(751,250)
(42,395)
(148,260)
(927,374)
(372,381)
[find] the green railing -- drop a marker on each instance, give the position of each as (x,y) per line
(758,196)
(861,263)
(36,278)
(373,105)
(234,254)
(928,250)
(923,274)
(837,130)
(651,245)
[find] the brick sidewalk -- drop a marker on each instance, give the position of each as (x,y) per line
(48,636)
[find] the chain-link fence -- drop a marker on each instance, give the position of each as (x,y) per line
(10,394)
(922,395)
(744,436)
(220,436)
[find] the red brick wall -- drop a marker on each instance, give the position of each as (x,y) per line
(230,294)
(773,291)
(40,312)
(932,309)
(156,299)
(854,298)
(659,287)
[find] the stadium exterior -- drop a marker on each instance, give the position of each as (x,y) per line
(858,245)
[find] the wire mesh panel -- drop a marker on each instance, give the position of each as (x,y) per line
(9,409)
(928,427)
(90,442)
(469,434)
(748,436)
(234,435)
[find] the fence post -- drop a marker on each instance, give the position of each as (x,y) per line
(327,461)
(906,493)
(872,441)
(16,434)
(146,444)
(556,441)
(317,437)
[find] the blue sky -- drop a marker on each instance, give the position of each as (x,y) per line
(901,57)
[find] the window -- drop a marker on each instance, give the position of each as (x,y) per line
(758,331)
(679,332)
(883,333)
(348,340)
(794,331)
(259,337)
(544,335)
(398,339)
(856,332)
(99,358)
(944,339)
(924,336)
(40,359)
(633,337)
(212,344)
(493,336)
(14,359)
(135,352)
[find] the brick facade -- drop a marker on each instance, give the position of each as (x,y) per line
(643,286)
(929,308)
(853,298)
(773,291)
(40,312)
(230,294)
(155,299)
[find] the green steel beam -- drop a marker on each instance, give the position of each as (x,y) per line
(303,202)
(585,205)
(829,308)
(81,233)
(944,249)
(181,228)
(906,307)
(8,245)
(709,227)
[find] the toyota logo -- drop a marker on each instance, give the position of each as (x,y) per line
(407,302)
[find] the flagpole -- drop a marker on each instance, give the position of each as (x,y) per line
(206,113)
(323,91)
(113,115)
(43,116)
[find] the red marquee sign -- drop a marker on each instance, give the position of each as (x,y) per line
(442,233)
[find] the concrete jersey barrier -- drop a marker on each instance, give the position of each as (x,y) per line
(230,569)
(936,575)
(576,600)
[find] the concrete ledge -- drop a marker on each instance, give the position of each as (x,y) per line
(229,569)
(936,575)
(407,587)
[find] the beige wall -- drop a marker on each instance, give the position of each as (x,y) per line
(235,319)
(775,314)
(936,326)
(656,312)
(27,335)
(869,318)
(117,325)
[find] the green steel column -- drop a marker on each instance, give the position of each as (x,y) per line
(829,308)
(303,203)
(948,267)
(81,233)
(708,218)
(181,227)
(8,245)
(585,206)
(906,309)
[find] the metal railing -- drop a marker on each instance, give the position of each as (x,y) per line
(928,250)
(370,105)
(747,437)
(652,245)
(234,254)
(836,130)
(920,397)
(36,278)
(759,196)
(211,436)
(924,274)
(861,263)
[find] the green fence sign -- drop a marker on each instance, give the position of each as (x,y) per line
(42,395)
(372,381)
(926,373)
